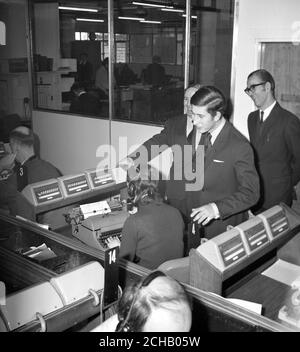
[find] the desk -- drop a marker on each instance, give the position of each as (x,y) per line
(52,213)
(271,294)
(93,196)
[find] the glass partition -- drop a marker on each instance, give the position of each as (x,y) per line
(71,46)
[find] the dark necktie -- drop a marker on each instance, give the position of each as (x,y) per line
(206,141)
(261,117)
(261,120)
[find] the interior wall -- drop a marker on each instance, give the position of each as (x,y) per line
(70,142)
(13,15)
(259,20)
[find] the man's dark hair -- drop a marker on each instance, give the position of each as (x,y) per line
(105,61)
(77,86)
(265,76)
(144,188)
(211,97)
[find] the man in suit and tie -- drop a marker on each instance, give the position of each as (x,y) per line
(231,184)
(275,136)
(175,132)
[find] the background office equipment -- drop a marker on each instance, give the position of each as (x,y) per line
(95,229)
(52,198)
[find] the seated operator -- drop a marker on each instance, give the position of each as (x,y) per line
(84,102)
(157,303)
(26,168)
(154,234)
(155,73)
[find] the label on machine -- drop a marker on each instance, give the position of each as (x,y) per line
(99,178)
(278,223)
(232,250)
(47,192)
(256,236)
(74,185)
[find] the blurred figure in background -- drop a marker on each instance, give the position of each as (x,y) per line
(84,71)
(155,73)
(101,81)
(84,102)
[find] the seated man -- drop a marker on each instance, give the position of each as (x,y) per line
(155,73)
(157,303)
(84,102)
(28,169)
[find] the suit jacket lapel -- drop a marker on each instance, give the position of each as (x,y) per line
(269,123)
(255,133)
(218,144)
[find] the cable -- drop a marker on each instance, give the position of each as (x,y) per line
(112,310)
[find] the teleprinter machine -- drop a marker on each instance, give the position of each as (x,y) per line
(94,230)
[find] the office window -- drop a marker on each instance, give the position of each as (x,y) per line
(145,38)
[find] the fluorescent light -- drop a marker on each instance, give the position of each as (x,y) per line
(88,20)
(184,15)
(171,9)
(148,21)
(76,9)
(131,18)
(146,4)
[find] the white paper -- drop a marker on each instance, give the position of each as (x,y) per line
(119,175)
(97,208)
(254,307)
(283,271)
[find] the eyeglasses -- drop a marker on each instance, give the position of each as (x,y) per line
(252,87)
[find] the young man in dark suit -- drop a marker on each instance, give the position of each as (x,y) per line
(231,184)
(230,181)
(275,136)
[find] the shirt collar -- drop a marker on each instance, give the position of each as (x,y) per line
(216,131)
(267,111)
(189,125)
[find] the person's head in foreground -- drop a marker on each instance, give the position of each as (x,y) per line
(21,141)
(156,303)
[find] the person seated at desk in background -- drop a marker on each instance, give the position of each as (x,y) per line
(84,71)
(154,73)
(154,234)
(155,303)
(84,102)
(27,169)
(101,81)
(124,75)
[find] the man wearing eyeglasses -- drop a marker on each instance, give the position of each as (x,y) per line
(275,136)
